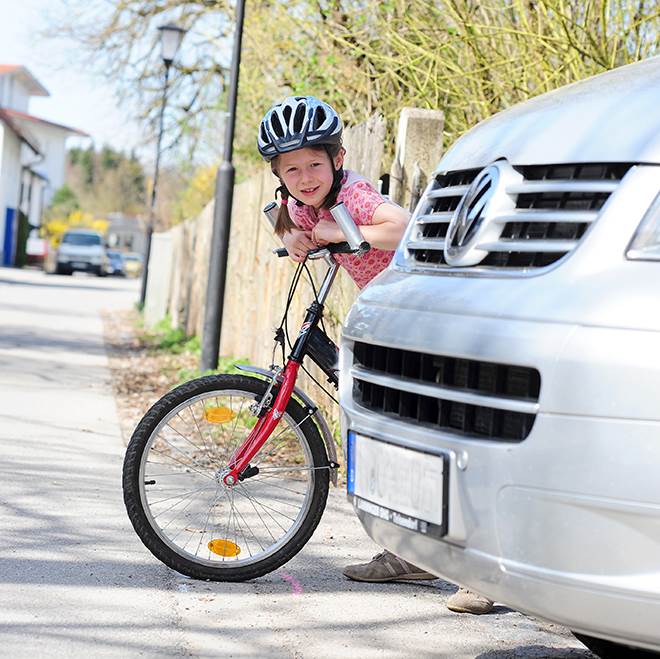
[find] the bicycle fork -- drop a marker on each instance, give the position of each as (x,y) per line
(240,460)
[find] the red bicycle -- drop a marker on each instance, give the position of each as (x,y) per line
(226,477)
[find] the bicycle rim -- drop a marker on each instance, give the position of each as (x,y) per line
(191,510)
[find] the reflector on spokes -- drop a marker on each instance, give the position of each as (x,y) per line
(223,547)
(219,414)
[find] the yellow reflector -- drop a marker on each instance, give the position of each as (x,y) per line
(218,414)
(224,548)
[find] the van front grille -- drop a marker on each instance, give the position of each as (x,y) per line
(479,399)
(554,207)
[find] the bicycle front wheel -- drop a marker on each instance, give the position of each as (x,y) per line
(180,507)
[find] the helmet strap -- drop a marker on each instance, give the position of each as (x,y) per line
(337,178)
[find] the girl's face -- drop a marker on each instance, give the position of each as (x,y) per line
(308,173)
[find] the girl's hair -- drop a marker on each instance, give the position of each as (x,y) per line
(284,222)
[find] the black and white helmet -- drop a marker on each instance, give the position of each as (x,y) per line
(297,122)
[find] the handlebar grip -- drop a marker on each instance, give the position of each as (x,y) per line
(339,248)
(271,211)
(333,248)
(346,223)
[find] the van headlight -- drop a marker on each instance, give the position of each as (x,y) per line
(645,245)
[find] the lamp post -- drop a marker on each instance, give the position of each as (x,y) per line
(170,40)
(224,190)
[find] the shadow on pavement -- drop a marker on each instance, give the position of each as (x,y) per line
(52,341)
(537,652)
(69,283)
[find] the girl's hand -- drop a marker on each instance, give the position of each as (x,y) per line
(298,243)
(327,232)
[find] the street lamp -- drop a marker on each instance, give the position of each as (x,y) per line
(224,190)
(170,40)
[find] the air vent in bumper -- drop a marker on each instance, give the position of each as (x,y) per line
(478,399)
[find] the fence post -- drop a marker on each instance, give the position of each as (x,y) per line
(418,151)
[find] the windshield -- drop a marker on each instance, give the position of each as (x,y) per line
(81,239)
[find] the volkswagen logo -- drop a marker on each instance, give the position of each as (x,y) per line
(472,224)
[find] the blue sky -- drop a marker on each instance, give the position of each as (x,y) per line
(77,98)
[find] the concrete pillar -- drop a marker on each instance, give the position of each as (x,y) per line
(159,279)
(418,151)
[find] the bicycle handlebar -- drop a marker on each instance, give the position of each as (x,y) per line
(354,243)
(331,248)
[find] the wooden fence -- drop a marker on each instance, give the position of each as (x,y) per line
(258,281)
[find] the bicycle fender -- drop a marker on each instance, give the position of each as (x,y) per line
(328,440)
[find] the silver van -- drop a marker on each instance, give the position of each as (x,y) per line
(82,250)
(500,381)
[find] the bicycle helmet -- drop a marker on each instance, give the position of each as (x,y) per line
(297,122)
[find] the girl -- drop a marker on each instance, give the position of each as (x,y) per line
(301,138)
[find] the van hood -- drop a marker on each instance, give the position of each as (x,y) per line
(80,250)
(612,117)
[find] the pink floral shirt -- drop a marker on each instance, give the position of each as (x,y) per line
(361,200)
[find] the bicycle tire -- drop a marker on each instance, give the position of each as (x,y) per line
(135,481)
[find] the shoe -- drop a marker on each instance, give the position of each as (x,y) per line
(386,567)
(466,601)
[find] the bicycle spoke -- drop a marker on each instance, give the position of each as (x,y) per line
(175,505)
(185,439)
(279,512)
(201,520)
(183,496)
(251,531)
(187,466)
(240,528)
(183,528)
(202,436)
(201,537)
(280,487)
(262,520)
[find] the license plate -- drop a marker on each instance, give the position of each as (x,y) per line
(401,485)
(78,264)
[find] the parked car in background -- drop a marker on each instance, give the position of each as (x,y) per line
(132,264)
(81,250)
(36,249)
(114,263)
(500,381)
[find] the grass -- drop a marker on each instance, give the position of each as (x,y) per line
(225,365)
(163,338)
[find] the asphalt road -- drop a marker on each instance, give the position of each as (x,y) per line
(76,581)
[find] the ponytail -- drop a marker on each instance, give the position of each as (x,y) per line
(283,223)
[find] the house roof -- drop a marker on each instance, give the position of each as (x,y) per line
(23,134)
(32,84)
(24,116)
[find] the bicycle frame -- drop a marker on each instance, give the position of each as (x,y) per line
(285,380)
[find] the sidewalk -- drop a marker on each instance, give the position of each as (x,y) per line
(75,581)
(73,578)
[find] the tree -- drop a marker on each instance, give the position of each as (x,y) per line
(64,201)
(469,58)
(106,182)
(120,40)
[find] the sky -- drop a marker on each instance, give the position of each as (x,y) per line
(77,98)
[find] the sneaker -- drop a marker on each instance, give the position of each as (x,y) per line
(466,601)
(386,567)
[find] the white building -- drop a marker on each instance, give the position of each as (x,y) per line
(32,157)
